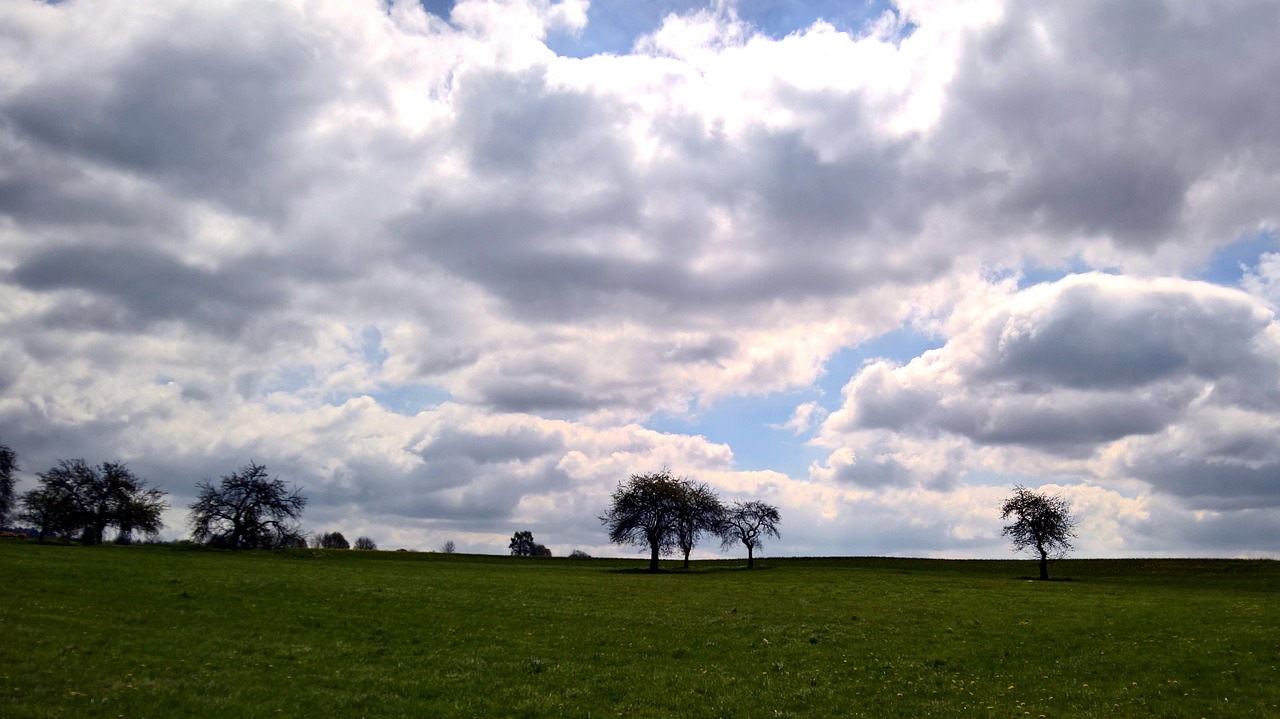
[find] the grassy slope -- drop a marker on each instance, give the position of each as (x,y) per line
(160,632)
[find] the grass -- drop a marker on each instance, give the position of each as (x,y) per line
(163,632)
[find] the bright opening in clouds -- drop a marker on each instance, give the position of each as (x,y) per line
(457,268)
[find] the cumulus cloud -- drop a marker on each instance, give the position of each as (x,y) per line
(1172,382)
(442,276)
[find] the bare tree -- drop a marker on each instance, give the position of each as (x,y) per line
(700,513)
(247,510)
(365,543)
(645,512)
(449,547)
(749,523)
(1041,521)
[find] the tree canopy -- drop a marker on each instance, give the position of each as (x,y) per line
(247,510)
(522,545)
(648,510)
(334,540)
(1042,522)
(77,498)
(8,465)
(701,513)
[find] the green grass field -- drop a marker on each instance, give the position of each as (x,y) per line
(168,632)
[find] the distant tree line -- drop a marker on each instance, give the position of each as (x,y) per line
(248,509)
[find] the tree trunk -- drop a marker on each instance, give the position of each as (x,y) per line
(751,560)
(686,560)
(653,557)
(1044,564)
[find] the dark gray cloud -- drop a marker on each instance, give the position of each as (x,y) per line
(1103,117)
(205,108)
(129,290)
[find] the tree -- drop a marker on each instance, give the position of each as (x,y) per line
(247,510)
(141,513)
(48,510)
(449,547)
(700,512)
(1041,521)
(76,497)
(8,465)
(365,543)
(645,512)
(522,544)
(541,550)
(334,540)
(749,523)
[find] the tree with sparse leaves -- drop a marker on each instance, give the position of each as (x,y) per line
(449,547)
(8,465)
(645,512)
(749,523)
(50,511)
(700,513)
(365,543)
(1042,522)
(247,510)
(77,498)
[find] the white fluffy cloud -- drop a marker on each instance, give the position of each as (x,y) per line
(442,276)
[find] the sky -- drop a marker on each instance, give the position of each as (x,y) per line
(459,268)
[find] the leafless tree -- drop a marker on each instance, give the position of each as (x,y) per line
(749,523)
(247,510)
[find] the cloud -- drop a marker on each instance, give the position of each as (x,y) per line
(265,231)
(1167,381)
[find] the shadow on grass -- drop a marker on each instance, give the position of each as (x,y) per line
(690,571)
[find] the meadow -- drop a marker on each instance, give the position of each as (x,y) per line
(155,631)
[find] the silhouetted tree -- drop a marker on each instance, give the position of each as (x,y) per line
(449,547)
(700,513)
(247,510)
(49,510)
(522,544)
(8,465)
(334,540)
(1042,522)
(541,550)
(141,513)
(76,497)
(645,511)
(365,543)
(749,523)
